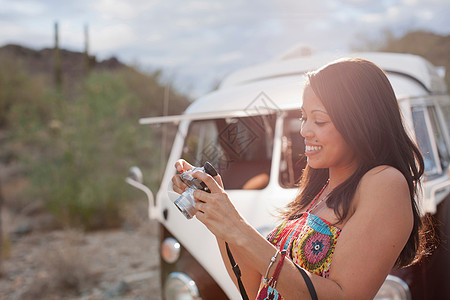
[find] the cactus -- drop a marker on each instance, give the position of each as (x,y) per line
(86,49)
(57,63)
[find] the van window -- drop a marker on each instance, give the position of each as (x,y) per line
(446,113)
(424,141)
(441,144)
(239,148)
(293,161)
(430,139)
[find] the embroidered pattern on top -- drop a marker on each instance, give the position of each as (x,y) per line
(312,247)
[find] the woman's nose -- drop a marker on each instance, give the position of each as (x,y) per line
(306,131)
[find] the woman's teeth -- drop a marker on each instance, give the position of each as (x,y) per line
(313,148)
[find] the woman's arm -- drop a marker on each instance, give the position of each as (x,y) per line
(367,249)
(250,277)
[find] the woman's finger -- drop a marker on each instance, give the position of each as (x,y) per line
(178,185)
(212,184)
(181,165)
(218,178)
(200,216)
(178,190)
(199,206)
(201,196)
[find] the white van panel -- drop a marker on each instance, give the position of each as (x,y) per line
(412,65)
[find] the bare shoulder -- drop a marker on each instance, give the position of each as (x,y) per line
(383,194)
(384,174)
(384,186)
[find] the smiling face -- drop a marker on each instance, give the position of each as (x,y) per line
(325,147)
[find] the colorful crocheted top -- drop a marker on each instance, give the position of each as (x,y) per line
(312,245)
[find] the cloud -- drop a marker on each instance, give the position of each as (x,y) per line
(21,8)
(202,40)
(121,10)
(115,36)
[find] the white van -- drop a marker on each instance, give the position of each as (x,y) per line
(249,130)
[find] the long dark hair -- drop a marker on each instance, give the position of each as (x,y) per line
(362,106)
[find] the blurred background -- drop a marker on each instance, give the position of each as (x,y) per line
(75,77)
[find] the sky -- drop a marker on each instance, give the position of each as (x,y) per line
(197,43)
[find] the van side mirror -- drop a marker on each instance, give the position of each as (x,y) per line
(136,174)
(135,179)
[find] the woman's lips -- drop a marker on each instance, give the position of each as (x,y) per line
(310,150)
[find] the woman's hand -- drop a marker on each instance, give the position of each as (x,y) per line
(215,209)
(178,185)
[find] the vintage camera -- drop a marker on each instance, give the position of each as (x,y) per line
(186,202)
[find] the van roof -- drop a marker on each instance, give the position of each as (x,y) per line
(278,84)
(412,66)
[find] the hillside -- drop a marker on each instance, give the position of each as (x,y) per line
(67,150)
(76,66)
(433,47)
(42,61)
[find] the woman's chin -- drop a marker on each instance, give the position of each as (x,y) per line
(315,163)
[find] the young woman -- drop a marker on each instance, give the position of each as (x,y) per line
(355,217)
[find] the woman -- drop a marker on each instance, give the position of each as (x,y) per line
(355,217)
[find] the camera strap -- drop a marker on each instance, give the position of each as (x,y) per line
(237,273)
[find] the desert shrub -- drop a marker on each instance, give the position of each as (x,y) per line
(96,142)
(77,152)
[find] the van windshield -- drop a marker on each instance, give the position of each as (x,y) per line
(239,148)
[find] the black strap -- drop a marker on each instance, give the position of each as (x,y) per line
(309,284)
(237,272)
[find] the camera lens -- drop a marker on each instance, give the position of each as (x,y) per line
(186,203)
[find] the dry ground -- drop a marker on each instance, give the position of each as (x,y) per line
(116,264)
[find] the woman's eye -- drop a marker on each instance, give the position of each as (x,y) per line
(303,119)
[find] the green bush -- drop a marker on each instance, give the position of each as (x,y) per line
(76,153)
